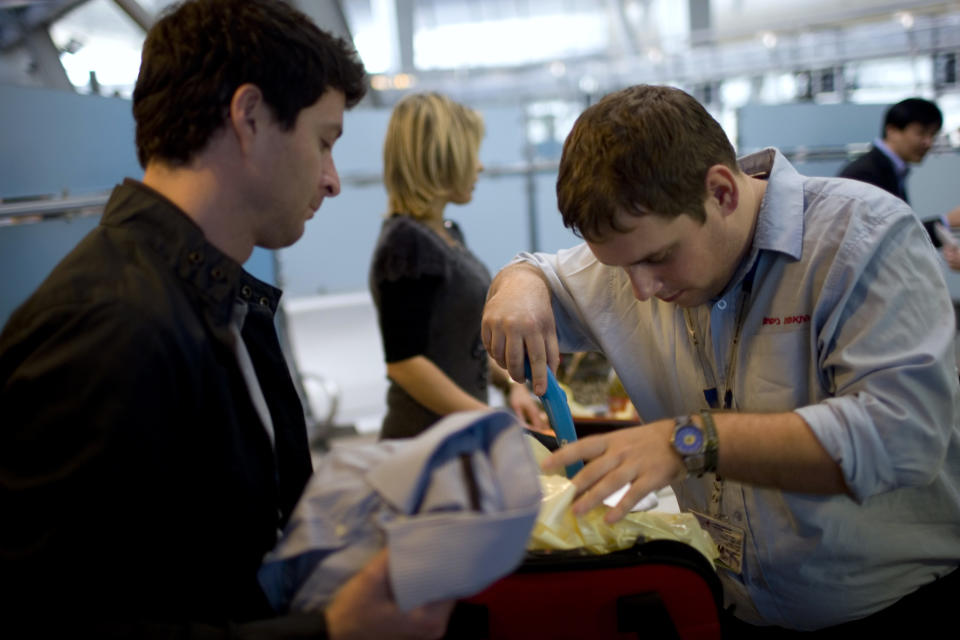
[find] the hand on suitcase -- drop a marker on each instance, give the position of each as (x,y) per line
(639,456)
(364,608)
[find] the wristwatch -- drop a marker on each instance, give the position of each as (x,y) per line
(697,447)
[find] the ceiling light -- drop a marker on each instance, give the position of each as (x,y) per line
(589,84)
(380,82)
(403,81)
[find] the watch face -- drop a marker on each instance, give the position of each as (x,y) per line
(688,439)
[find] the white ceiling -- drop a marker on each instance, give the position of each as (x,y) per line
(513,49)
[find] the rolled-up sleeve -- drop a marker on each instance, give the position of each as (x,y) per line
(885,349)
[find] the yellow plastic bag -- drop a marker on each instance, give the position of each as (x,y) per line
(558,528)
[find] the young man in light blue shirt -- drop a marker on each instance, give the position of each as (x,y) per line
(789,341)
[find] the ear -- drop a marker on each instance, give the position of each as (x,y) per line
(246,113)
(722,188)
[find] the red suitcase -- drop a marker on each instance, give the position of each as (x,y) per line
(657,589)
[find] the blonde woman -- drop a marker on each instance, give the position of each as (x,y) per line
(429,288)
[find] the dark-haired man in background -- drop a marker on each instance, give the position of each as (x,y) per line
(909,130)
(152,442)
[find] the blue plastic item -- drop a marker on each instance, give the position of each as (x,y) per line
(558,412)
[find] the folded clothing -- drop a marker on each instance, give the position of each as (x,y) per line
(455,507)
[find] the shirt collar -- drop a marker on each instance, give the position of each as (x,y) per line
(899,165)
(779,225)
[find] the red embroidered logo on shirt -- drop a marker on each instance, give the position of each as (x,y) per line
(798,319)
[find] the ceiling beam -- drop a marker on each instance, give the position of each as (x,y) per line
(19,22)
(328,15)
(137,13)
(46,58)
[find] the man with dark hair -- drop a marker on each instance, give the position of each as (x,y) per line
(152,442)
(787,340)
(909,129)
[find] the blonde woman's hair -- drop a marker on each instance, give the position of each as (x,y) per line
(430,152)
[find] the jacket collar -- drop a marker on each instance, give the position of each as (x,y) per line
(214,278)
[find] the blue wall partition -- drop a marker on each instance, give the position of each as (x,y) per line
(58,143)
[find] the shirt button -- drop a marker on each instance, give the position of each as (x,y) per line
(264,301)
(216,273)
(722,305)
(195,257)
(246,291)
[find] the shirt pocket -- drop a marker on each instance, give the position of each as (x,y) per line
(776,375)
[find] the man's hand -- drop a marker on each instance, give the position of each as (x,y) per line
(639,456)
(365,608)
(518,322)
(777,450)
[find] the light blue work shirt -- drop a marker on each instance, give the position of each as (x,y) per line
(851,325)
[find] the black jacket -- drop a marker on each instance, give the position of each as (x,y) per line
(137,483)
(877,169)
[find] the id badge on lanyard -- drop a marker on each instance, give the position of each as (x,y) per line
(729,538)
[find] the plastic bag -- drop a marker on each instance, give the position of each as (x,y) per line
(557,528)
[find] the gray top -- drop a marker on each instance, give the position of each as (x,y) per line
(444,288)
